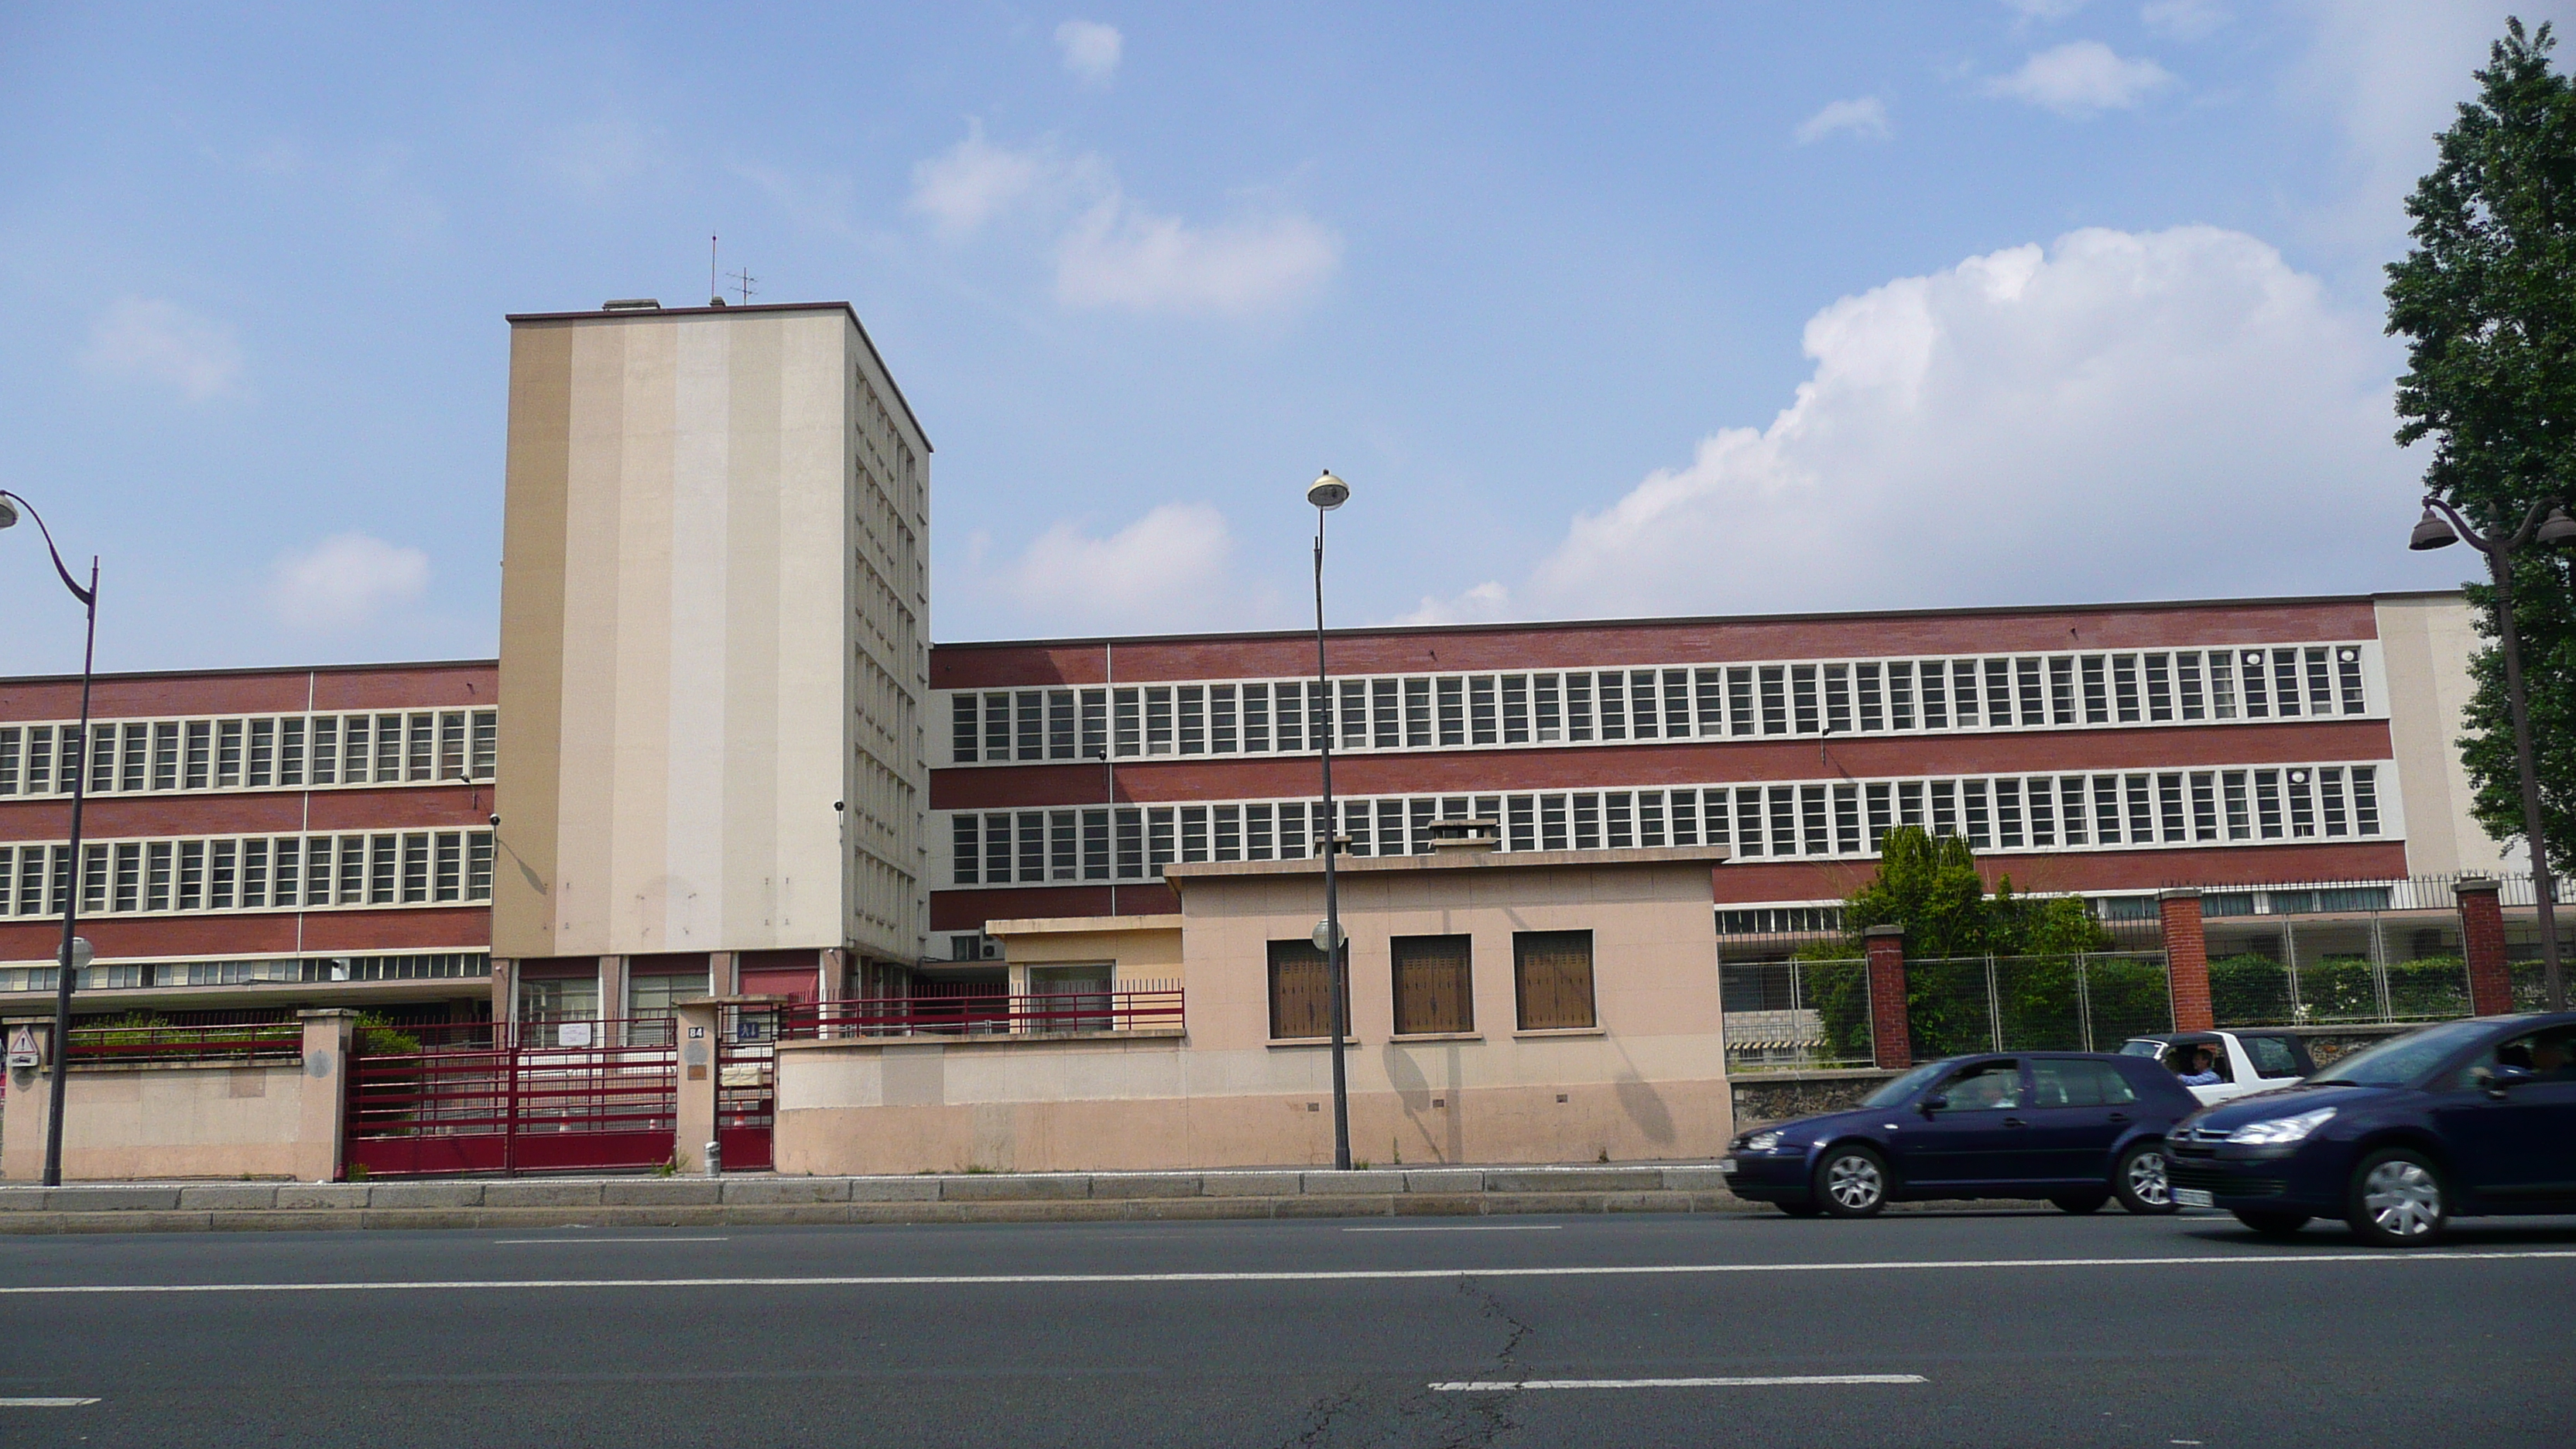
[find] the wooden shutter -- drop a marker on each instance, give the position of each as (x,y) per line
(1432,985)
(1552,977)
(1301,995)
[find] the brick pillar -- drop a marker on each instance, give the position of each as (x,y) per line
(2482,934)
(2186,959)
(1891,1036)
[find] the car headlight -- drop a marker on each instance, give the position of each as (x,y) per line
(1761,1141)
(2273,1131)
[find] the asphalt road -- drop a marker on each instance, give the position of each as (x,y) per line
(1986,1329)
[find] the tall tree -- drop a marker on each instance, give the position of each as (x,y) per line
(2487,302)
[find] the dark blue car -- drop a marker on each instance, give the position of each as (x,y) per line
(2465,1118)
(2073,1128)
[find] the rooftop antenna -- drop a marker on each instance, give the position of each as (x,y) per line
(715,296)
(743,284)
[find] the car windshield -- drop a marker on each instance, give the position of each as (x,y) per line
(2401,1060)
(2141,1048)
(1903,1087)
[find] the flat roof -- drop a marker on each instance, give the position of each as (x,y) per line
(1998,611)
(598,314)
(246,671)
(1990,611)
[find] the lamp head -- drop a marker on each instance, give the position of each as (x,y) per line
(82,955)
(8,514)
(1328,491)
(2558,528)
(2434,531)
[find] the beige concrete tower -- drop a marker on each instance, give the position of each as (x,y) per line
(714,648)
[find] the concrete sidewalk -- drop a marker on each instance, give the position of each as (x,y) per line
(926,1198)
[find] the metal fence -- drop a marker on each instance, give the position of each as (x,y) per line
(2087,1002)
(1140,1006)
(1796,1015)
(135,1042)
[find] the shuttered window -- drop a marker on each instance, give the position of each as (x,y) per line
(1301,996)
(1552,979)
(1433,989)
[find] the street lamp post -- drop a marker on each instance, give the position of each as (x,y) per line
(1328,493)
(2442,526)
(66,970)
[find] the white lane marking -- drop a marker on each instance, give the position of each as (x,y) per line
(1783,1381)
(585,1242)
(1468,1228)
(1329,1275)
(45,1403)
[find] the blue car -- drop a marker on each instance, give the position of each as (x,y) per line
(2465,1118)
(2073,1128)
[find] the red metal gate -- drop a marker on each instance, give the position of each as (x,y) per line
(747,1087)
(497,1097)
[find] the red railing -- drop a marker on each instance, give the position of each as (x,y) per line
(246,1041)
(1145,1006)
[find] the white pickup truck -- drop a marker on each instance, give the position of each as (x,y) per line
(2246,1061)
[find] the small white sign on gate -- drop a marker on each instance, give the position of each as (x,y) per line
(572,1033)
(24,1049)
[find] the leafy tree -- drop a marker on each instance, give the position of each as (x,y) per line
(2487,302)
(1929,885)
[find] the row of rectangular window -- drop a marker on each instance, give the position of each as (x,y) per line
(2090,811)
(1433,985)
(129,877)
(259,752)
(151,975)
(1665,703)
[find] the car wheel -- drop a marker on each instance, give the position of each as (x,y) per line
(2397,1200)
(2080,1203)
(2274,1224)
(1799,1209)
(1851,1182)
(2142,1181)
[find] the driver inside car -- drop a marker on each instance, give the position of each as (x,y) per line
(1989,1087)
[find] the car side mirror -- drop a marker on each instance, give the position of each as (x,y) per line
(2495,1080)
(1934,1103)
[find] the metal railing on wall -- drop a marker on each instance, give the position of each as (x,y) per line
(1782,1016)
(2085,1002)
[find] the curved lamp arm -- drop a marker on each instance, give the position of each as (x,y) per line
(85,596)
(2489,544)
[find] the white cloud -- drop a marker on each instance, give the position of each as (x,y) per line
(2082,78)
(597,157)
(2184,19)
(344,582)
(2389,74)
(1119,255)
(975,181)
(1167,570)
(147,338)
(1865,117)
(1090,50)
(2043,9)
(2118,415)
(1484,603)
(1110,252)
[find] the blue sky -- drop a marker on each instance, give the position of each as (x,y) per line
(1645,311)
